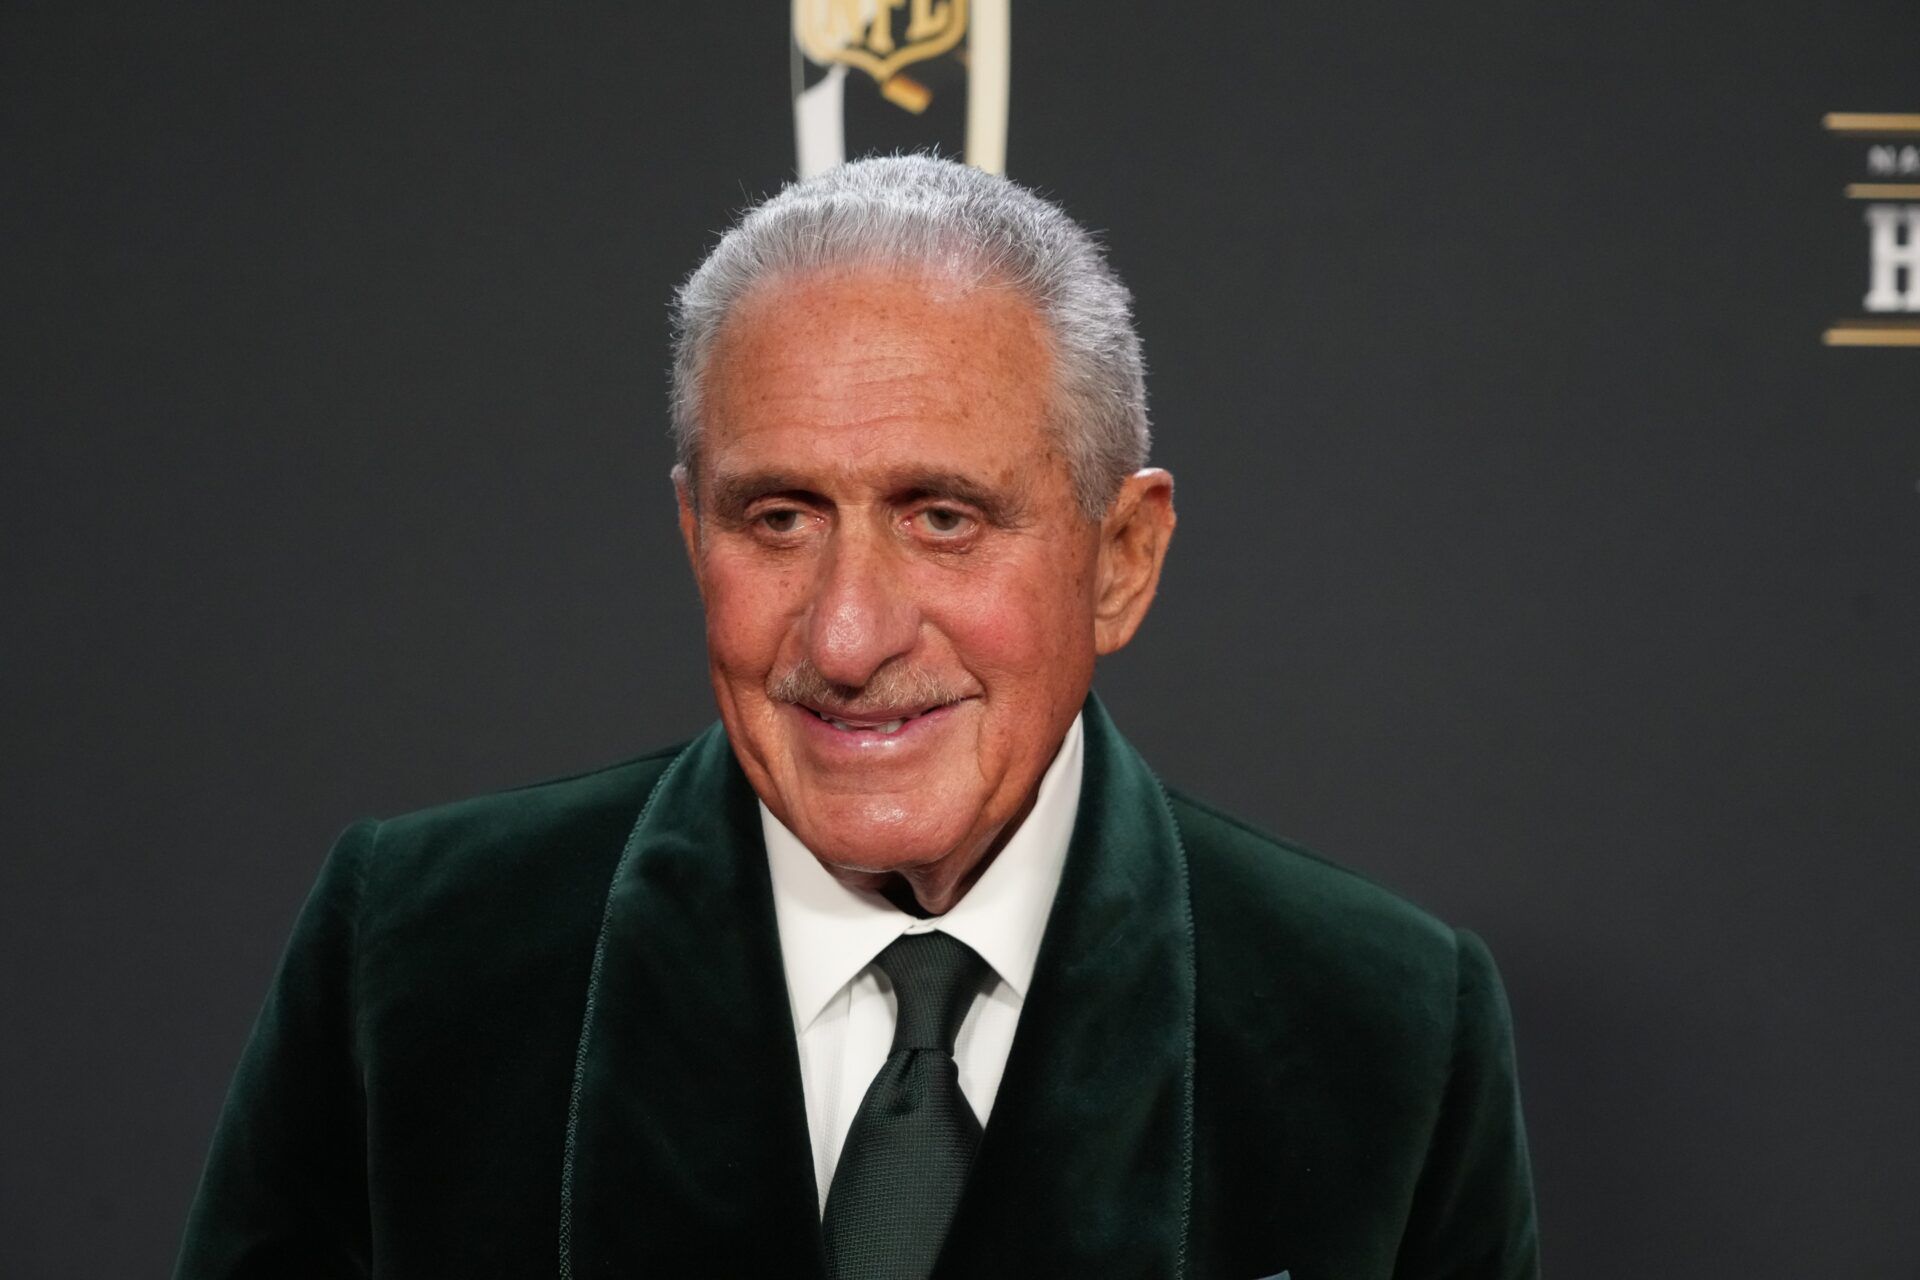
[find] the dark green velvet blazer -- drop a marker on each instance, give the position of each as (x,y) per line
(547,1033)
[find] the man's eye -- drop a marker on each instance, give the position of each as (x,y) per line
(785,520)
(944,521)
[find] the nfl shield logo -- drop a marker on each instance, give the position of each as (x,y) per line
(900,75)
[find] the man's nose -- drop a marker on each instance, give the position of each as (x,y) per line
(863,613)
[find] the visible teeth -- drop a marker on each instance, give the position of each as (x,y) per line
(891,726)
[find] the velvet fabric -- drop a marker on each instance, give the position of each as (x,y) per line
(546,1032)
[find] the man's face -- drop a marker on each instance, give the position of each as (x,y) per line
(901,592)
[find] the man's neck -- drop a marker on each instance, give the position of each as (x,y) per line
(900,894)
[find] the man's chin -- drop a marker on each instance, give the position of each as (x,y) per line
(879,848)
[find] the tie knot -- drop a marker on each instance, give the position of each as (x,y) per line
(935,977)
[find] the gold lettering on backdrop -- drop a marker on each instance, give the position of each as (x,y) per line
(860,33)
(908,94)
(929,19)
(837,22)
(880,34)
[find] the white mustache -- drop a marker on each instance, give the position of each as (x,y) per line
(891,688)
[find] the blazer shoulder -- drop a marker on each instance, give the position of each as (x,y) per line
(1264,904)
(528,849)
(534,807)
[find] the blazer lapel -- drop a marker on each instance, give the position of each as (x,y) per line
(1085,1166)
(687,1149)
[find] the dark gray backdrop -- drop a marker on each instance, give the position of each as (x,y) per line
(1535,558)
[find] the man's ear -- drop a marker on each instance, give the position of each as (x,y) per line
(689,519)
(1133,545)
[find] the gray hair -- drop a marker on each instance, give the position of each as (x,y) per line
(921,210)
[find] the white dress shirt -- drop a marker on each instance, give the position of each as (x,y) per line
(843,1006)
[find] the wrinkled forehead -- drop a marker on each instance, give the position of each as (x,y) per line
(876,346)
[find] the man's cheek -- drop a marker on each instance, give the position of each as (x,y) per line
(747,612)
(1018,626)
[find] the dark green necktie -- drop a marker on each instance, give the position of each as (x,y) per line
(905,1160)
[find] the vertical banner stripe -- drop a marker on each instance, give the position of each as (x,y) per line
(989,80)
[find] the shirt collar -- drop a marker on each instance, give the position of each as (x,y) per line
(829,932)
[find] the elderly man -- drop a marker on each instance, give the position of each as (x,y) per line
(909,966)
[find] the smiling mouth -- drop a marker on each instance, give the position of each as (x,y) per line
(871,724)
